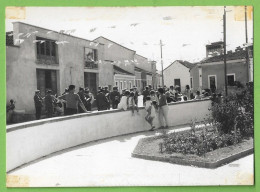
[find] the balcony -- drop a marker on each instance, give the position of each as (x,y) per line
(47,60)
(91,65)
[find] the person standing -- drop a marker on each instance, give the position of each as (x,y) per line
(49,101)
(136,94)
(131,103)
(38,104)
(66,91)
(146,93)
(102,101)
(72,101)
(115,97)
(10,111)
(163,109)
(107,94)
(83,99)
(89,99)
(187,91)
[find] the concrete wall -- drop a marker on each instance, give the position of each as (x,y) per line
(194,73)
(106,74)
(176,71)
(26,142)
(142,62)
(22,64)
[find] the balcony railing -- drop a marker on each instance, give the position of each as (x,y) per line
(91,65)
(46,59)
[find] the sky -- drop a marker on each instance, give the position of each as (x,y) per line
(184,31)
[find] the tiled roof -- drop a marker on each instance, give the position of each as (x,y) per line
(241,54)
(186,64)
(9,39)
(118,70)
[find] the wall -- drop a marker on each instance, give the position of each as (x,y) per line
(26,142)
(176,71)
(149,79)
(106,74)
(194,73)
(143,63)
(117,53)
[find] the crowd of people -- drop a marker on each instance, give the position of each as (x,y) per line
(70,102)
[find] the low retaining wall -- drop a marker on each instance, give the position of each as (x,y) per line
(29,141)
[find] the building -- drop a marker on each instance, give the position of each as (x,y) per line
(38,58)
(209,73)
(145,71)
(128,68)
(43,59)
(214,49)
(178,74)
(120,72)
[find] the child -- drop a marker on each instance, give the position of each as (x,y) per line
(123,102)
(154,97)
(149,107)
(131,103)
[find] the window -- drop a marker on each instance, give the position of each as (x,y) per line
(130,85)
(191,83)
(46,50)
(90,57)
(231,79)
(116,84)
(125,85)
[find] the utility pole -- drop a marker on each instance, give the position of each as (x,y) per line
(162,63)
(247,56)
(225,56)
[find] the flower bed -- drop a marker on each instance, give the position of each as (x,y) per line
(199,143)
(152,148)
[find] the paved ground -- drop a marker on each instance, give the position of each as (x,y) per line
(109,163)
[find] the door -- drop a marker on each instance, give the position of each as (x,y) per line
(212,83)
(177,83)
(46,80)
(90,81)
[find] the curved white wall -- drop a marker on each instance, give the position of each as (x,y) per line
(26,142)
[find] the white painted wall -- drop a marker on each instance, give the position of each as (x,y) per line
(29,141)
(177,71)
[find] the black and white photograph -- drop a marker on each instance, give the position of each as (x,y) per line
(129,96)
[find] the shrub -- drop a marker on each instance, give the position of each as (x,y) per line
(235,110)
(199,144)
